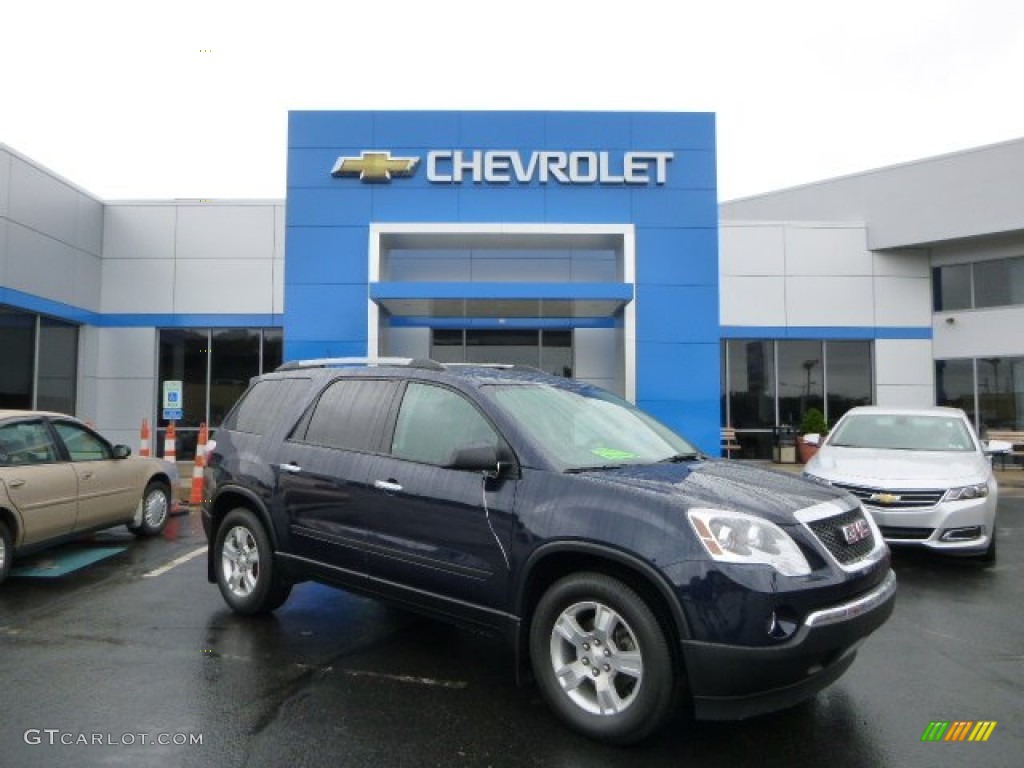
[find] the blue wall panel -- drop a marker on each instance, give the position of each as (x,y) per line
(675,224)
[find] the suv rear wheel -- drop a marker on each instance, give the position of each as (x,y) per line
(601,658)
(246,574)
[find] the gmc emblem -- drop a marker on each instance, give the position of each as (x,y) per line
(857,531)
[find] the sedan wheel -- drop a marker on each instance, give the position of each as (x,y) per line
(246,573)
(602,659)
(156,507)
(6,552)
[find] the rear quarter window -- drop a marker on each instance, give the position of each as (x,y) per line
(261,405)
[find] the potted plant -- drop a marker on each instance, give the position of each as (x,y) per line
(813,429)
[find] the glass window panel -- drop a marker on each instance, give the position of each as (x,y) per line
(848,376)
(82,445)
(183,357)
(999,283)
(58,366)
(556,353)
(751,383)
(1001,392)
(801,379)
(17,340)
(350,414)
(954,385)
(234,360)
(951,287)
(512,347)
(448,346)
(273,349)
(434,422)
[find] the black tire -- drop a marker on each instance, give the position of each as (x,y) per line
(6,551)
(156,509)
(630,690)
(244,561)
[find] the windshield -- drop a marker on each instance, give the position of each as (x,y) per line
(583,429)
(903,432)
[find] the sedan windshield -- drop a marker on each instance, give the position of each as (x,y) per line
(589,428)
(903,432)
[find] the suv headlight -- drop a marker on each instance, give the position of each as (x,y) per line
(978,491)
(735,537)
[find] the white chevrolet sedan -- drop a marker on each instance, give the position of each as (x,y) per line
(922,474)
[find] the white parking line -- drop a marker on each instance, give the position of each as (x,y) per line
(174,563)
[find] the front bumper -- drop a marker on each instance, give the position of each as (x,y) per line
(946,527)
(731,682)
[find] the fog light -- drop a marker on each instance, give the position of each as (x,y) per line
(963,534)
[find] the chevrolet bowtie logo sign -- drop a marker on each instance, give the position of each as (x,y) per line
(885,498)
(375,166)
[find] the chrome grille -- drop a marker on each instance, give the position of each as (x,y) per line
(894,498)
(829,531)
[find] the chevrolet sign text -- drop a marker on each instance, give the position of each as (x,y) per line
(453,166)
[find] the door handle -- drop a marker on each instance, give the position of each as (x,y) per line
(87,475)
(16,483)
(291,468)
(387,485)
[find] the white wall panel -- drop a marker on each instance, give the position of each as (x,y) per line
(225,232)
(138,231)
(88,285)
(826,250)
(817,301)
(235,285)
(3,251)
(979,333)
(5,180)
(279,231)
(121,405)
(905,301)
(138,285)
(904,362)
(405,342)
(39,264)
(127,353)
(752,300)
(89,226)
(912,262)
(597,353)
(42,202)
(751,250)
(900,396)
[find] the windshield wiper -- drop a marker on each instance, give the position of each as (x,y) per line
(679,458)
(596,468)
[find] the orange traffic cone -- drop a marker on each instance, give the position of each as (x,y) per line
(170,444)
(144,439)
(196,497)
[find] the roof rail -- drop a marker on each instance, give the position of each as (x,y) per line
(369,362)
(498,366)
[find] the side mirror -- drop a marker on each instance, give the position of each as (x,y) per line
(475,458)
(996,447)
(122,451)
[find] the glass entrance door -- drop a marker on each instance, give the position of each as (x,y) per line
(550,351)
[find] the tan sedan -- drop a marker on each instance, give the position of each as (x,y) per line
(60,479)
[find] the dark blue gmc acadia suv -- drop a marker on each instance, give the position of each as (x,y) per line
(626,570)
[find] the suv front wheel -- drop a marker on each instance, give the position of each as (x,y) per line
(244,559)
(601,658)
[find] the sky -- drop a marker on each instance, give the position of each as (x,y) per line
(188,99)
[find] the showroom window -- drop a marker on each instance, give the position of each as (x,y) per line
(40,362)
(989,389)
(979,285)
(214,367)
(770,384)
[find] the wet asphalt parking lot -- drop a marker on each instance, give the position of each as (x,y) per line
(99,665)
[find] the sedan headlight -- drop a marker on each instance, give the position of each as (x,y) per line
(735,537)
(978,491)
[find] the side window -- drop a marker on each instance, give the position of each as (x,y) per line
(259,406)
(82,445)
(434,422)
(26,443)
(350,414)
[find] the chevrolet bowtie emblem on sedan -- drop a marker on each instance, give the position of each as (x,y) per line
(375,166)
(884,498)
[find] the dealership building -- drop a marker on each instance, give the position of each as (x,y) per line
(589,245)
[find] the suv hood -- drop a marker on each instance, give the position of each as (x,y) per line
(715,484)
(904,469)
